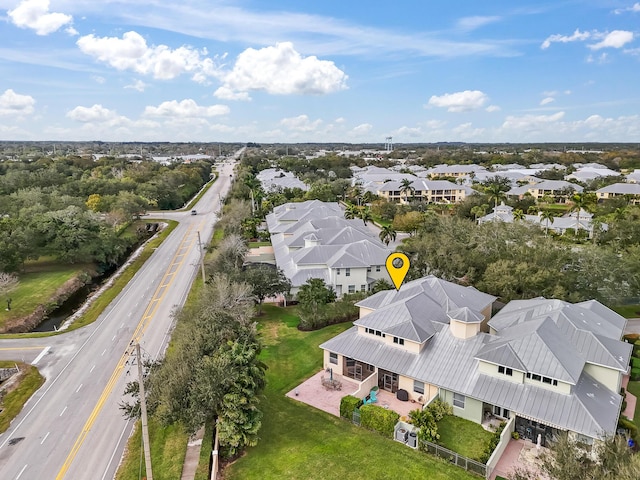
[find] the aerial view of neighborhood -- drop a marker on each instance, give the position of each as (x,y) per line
(242,241)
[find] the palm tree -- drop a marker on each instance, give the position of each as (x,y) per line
(478,211)
(351,212)
(581,201)
(518,215)
(365,215)
(387,234)
(496,193)
(253,184)
(547,216)
(406,188)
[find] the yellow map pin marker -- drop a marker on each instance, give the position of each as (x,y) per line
(397,266)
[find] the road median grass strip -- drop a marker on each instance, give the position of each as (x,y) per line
(13,401)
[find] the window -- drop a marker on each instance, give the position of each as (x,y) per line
(368,269)
(337,271)
(352,289)
(500,369)
(555,383)
(509,372)
(458,400)
(398,340)
(536,377)
(378,333)
(377,268)
(505,370)
(333,358)
(363,288)
(546,380)
(347,272)
(418,387)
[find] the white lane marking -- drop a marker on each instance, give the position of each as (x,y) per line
(103,352)
(79,388)
(92,369)
(113,338)
(45,437)
(122,325)
(106,470)
(129,314)
(21,472)
(42,354)
(63,410)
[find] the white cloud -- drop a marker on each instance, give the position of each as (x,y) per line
(12,103)
(138,85)
(96,113)
(340,120)
(412,132)
(98,79)
(34,14)
(361,129)
(131,52)
(615,39)
(493,108)
(467,131)
(530,122)
(459,101)
(557,38)
(635,8)
(602,58)
(547,100)
(281,70)
(226,93)
(471,23)
(301,123)
(187,108)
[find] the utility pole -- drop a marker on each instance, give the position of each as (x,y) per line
(204,279)
(214,456)
(143,406)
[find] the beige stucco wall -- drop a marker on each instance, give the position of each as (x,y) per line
(492,370)
(463,330)
(408,346)
(472,408)
(365,311)
(562,387)
(406,383)
(608,377)
(336,368)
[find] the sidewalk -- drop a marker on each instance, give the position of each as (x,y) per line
(192,457)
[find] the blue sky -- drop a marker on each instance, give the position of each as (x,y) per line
(342,71)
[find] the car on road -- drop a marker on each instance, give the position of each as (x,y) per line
(194,212)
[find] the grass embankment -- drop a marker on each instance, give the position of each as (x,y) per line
(12,403)
(300,442)
(167,452)
(100,303)
(627,311)
(258,244)
(463,436)
(199,195)
(38,283)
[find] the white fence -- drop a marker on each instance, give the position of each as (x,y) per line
(505,438)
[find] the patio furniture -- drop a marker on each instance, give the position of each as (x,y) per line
(331,383)
(373,397)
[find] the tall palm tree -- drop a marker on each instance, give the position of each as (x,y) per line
(387,234)
(351,212)
(495,192)
(406,188)
(365,215)
(547,216)
(581,201)
(253,184)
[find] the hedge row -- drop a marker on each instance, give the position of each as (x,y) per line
(379,419)
(348,404)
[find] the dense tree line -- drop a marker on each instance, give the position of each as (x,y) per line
(74,208)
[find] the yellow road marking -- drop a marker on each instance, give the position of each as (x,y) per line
(143,324)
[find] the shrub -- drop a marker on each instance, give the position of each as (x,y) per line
(426,422)
(379,419)
(493,443)
(515,435)
(348,404)
(635,362)
(635,373)
(439,409)
(629,425)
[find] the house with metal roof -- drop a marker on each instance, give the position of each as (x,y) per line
(313,240)
(430,191)
(558,189)
(629,190)
(551,365)
(274,179)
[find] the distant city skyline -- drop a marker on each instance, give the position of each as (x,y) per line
(292,72)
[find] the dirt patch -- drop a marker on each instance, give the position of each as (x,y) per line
(67,289)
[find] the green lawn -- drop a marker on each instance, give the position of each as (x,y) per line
(39,282)
(634,389)
(13,402)
(258,244)
(463,436)
(301,442)
(628,311)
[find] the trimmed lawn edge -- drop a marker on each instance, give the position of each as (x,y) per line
(100,303)
(13,401)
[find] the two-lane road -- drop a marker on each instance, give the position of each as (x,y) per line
(72,427)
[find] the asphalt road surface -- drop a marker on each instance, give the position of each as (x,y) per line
(72,427)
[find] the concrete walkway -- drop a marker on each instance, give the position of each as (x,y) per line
(193,456)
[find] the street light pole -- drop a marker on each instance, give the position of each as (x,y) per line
(143,406)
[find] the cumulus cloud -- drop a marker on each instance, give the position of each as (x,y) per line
(460,101)
(280,70)
(187,108)
(413,132)
(131,52)
(361,129)
(547,100)
(557,38)
(615,39)
(12,103)
(301,123)
(138,85)
(530,122)
(95,113)
(34,14)
(493,108)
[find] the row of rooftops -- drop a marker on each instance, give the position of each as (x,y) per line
(551,338)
